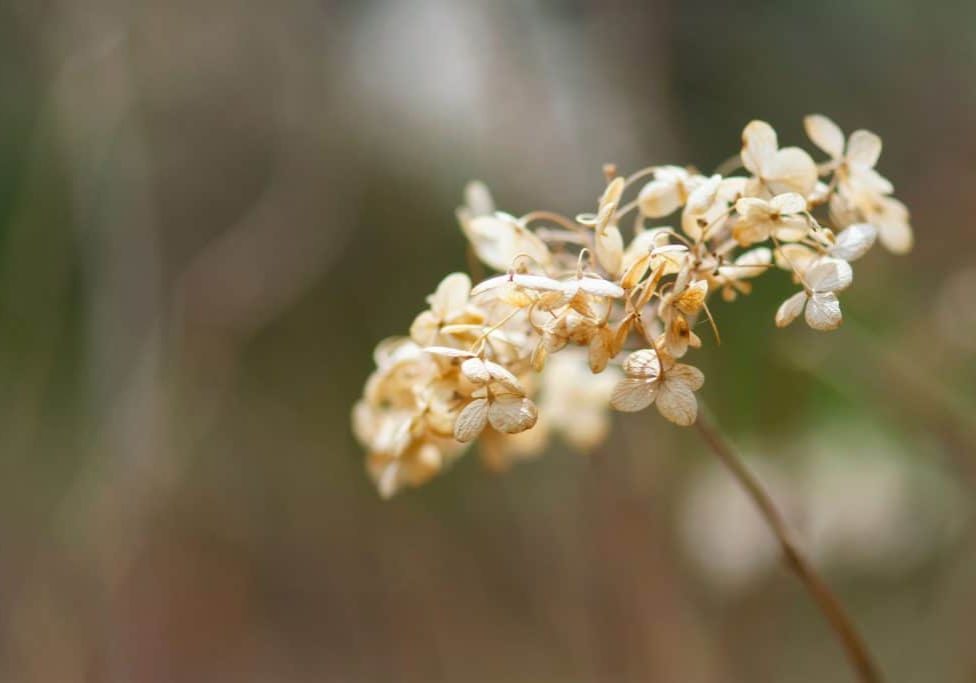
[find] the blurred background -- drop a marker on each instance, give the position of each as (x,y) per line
(211,211)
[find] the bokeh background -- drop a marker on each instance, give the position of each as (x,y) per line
(211,210)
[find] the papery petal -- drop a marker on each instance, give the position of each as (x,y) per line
(863,149)
(788,202)
(659,198)
(676,401)
(424,328)
(643,364)
(825,134)
(478,199)
(796,257)
(748,264)
(829,275)
(688,374)
(471,421)
(791,170)
(854,241)
(631,395)
(451,296)
(476,371)
(897,237)
(609,247)
(823,311)
(759,145)
(512,414)
(790,309)
(501,375)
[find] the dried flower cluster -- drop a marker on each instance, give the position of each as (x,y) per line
(533,351)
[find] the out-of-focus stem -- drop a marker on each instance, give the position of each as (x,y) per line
(828,603)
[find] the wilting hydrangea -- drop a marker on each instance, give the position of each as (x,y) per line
(600,310)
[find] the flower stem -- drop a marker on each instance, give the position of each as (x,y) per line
(828,603)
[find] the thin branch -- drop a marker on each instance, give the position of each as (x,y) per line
(828,603)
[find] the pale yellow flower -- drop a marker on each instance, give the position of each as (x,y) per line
(818,299)
(671,387)
(789,169)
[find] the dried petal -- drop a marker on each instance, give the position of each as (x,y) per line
(471,421)
(863,149)
(825,134)
(609,247)
(631,395)
(475,370)
(512,414)
(790,309)
(823,311)
(759,145)
(854,241)
(829,275)
(676,401)
(688,374)
(643,364)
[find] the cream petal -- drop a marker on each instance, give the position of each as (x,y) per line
(643,364)
(478,199)
(897,237)
(471,421)
(791,170)
(759,145)
(688,374)
(790,309)
(476,371)
(854,241)
(631,395)
(659,198)
(504,377)
(829,275)
(451,296)
(788,202)
(748,264)
(512,414)
(676,401)
(609,247)
(823,311)
(825,134)
(863,149)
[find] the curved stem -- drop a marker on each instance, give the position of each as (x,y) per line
(828,603)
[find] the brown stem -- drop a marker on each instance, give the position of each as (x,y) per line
(831,607)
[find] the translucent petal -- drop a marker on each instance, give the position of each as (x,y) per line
(631,395)
(451,296)
(676,401)
(688,374)
(476,371)
(823,311)
(829,275)
(748,264)
(609,247)
(788,202)
(448,352)
(478,199)
(424,328)
(863,149)
(795,257)
(599,287)
(512,414)
(691,299)
(659,198)
(504,377)
(897,237)
(825,134)
(854,241)
(791,170)
(790,309)
(759,145)
(471,421)
(643,364)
